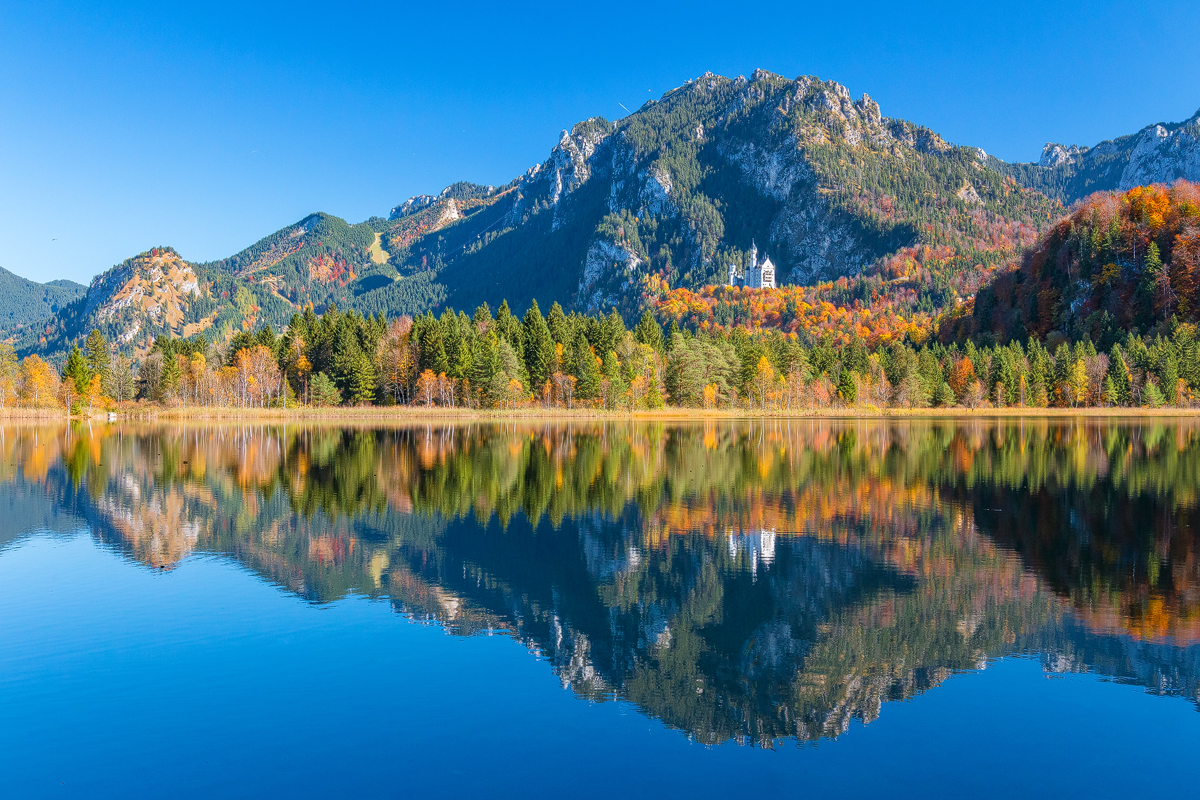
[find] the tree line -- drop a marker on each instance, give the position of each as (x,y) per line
(558,360)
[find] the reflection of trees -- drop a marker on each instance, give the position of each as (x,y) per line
(738,580)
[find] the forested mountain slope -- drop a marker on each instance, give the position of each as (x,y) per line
(1120,262)
(673,194)
(878,224)
(25,303)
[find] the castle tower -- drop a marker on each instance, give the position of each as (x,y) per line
(733,275)
(768,273)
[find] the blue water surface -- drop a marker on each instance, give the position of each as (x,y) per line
(207,681)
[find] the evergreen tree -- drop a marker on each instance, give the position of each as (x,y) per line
(847,387)
(1168,372)
(485,364)
(172,376)
(649,332)
(99,358)
(616,380)
(556,322)
(509,327)
(586,371)
(539,347)
(324,391)
(362,381)
(1118,377)
(76,370)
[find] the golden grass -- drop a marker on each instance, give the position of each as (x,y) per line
(376,251)
(145,411)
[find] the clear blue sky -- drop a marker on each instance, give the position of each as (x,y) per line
(206,126)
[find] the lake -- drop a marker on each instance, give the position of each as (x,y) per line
(982,607)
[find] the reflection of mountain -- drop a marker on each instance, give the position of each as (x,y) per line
(736,580)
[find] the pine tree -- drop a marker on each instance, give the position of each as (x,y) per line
(587,371)
(649,332)
(172,376)
(1168,373)
(362,381)
(1109,393)
(556,322)
(509,327)
(1118,376)
(943,395)
(76,370)
(99,359)
(539,346)
(847,387)
(324,391)
(614,378)
(485,365)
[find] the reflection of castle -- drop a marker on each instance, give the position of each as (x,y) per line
(758,547)
(758,276)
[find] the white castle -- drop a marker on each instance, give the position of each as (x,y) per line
(758,276)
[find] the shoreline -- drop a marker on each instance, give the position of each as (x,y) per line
(392,414)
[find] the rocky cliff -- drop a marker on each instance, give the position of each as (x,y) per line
(1159,153)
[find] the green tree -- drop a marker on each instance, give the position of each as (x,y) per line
(324,391)
(362,381)
(539,346)
(76,370)
(98,357)
(847,387)
(649,332)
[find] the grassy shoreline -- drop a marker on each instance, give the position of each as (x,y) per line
(414,414)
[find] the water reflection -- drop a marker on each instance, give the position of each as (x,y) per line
(741,581)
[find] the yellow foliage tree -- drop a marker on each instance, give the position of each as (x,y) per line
(37,384)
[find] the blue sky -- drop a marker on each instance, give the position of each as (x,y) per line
(207,126)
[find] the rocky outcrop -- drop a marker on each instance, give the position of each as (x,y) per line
(1160,153)
(1163,156)
(605,259)
(153,289)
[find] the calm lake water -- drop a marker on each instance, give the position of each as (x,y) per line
(902,609)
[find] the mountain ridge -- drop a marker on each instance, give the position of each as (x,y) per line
(1161,152)
(882,212)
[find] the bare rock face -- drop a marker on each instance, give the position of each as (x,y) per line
(412,205)
(1055,154)
(605,258)
(569,165)
(1162,155)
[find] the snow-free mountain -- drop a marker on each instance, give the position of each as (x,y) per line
(670,196)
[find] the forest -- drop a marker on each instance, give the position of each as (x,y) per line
(578,361)
(1120,261)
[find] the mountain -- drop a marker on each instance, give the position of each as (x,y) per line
(1119,262)
(319,260)
(1160,153)
(25,303)
(880,223)
(673,194)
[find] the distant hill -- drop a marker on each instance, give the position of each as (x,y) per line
(1121,261)
(319,260)
(27,304)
